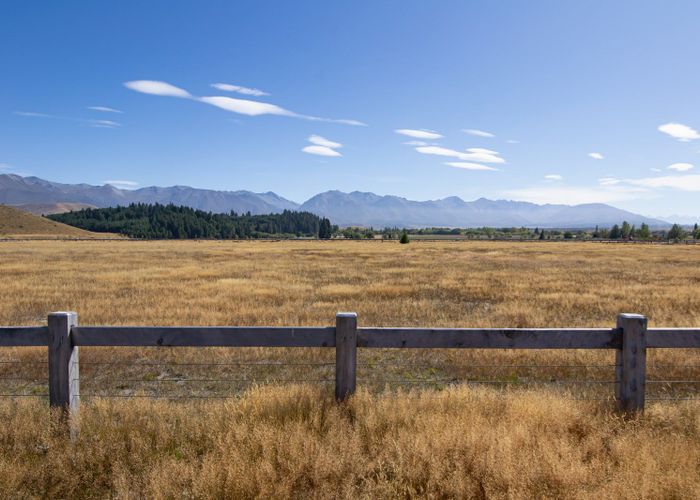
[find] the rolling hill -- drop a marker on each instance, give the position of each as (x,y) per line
(15,223)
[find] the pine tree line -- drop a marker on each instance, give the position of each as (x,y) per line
(156,221)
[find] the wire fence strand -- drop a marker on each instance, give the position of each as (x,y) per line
(521,375)
(237,363)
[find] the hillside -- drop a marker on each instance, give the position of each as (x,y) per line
(18,223)
(52,208)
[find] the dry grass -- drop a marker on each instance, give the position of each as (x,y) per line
(305,283)
(293,440)
(296,442)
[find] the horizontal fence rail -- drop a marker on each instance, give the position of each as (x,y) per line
(673,337)
(24,336)
(630,339)
(490,338)
(192,336)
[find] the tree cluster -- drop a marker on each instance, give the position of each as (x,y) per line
(158,221)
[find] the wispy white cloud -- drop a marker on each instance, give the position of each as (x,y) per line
(155,87)
(610,189)
(104,124)
(678,131)
(483,151)
(104,109)
(122,184)
(484,155)
(416,143)
(512,141)
(341,121)
(608,181)
(32,114)
(680,167)
(653,169)
(240,106)
(90,122)
(419,133)
(596,156)
(321,151)
(573,195)
(322,147)
(322,141)
(469,166)
(478,155)
(477,132)
(246,107)
(440,151)
(689,182)
(553,177)
(5,166)
(237,88)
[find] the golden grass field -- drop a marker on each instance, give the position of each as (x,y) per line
(422,436)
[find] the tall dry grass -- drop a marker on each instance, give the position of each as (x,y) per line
(282,283)
(296,442)
(293,440)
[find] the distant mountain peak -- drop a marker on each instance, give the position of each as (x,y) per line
(352,209)
(360,208)
(17,190)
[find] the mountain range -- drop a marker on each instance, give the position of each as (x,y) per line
(345,209)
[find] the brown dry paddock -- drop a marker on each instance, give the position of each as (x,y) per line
(293,440)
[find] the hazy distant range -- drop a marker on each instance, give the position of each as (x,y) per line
(345,209)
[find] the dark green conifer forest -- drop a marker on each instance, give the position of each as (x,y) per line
(175,222)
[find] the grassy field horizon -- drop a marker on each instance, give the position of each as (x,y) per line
(470,423)
(476,283)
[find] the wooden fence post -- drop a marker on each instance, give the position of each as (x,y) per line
(630,363)
(345,355)
(64,385)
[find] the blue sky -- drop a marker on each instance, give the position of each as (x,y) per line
(545,101)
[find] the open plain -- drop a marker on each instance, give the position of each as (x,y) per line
(529,423)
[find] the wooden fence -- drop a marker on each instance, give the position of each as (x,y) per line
(630,339)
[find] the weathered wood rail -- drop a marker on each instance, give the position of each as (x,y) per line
(630,339)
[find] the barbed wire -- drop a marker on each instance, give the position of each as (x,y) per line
(24,395)
(466,365)
(652,365)
(31,379)
(654,399)
(364,363)
(149,396)
(604,398)
(673,381)
(11,361)
(477,381)
(177,380)
(664,389)
(237,363)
